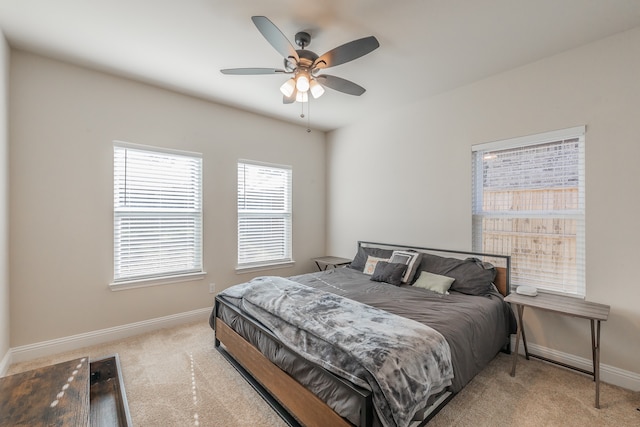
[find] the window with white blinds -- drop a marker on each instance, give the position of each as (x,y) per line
(529,203)
(264,214)
(157,213)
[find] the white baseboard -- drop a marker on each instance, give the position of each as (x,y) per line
(608,374)
(60,345)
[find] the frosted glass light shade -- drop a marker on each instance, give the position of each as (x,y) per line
(288,87)
(316,89)
(302,83)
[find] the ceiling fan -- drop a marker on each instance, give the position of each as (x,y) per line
(306,65)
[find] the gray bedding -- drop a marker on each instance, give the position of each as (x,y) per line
(402,361)
(475,327)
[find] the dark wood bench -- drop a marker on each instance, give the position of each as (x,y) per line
(79,392)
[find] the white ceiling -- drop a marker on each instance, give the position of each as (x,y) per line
(426,46)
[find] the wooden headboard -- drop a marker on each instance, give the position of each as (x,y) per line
(502,263)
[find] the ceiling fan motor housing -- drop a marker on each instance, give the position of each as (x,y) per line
(306,60)
(303,39)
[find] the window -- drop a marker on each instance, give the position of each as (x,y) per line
(528,202)
(157,213)
(264,214)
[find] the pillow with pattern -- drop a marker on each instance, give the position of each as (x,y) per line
(370,265)
(411,259)
(363,253)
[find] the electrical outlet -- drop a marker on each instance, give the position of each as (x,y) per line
(212,288)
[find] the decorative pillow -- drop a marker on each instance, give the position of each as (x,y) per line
(389,272)
(473,277)
(411,259)
(370,265)
(360,259)
(434,282)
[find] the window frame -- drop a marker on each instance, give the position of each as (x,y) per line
(285,214)
(128,281)
(577,215)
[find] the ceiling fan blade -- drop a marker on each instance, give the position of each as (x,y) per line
(251,71)
(347,52)
(275,37)
(340,84)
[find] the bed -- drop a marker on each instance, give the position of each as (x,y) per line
(386,341)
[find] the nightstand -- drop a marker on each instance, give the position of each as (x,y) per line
(568,306)
(325,262)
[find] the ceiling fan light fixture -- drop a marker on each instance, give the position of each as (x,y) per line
(302,82)
(288,87)
(316,89)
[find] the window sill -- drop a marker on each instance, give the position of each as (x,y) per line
(156,281)
(241,269)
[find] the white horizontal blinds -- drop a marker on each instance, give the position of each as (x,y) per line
(529,202)
(264,214)
(157,213)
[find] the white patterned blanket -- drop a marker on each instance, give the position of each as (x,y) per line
(400,360)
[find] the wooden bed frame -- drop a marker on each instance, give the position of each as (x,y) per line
(295,404)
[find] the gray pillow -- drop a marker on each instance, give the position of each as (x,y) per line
(472,276)
(360,259)
(389,272)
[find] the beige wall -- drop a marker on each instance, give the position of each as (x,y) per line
(63,121)
(4,197)
(405,176)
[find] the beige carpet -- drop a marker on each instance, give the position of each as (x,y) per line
(175,377)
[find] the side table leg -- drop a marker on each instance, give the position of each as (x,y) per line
(596,362)
(524,337)
(519,331)
(593,348)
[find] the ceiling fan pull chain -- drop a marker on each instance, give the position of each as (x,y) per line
(309,115)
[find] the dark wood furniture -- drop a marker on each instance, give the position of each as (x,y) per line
(568,306)
(108,400)
(295,404)
(325,262)
(78,392)
(53,395)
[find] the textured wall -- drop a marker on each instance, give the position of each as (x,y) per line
(64,119)
(405,177)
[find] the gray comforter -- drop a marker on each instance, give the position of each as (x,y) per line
(475,327)
(402,361)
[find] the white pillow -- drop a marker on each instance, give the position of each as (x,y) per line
(411,259)
(434,282)
(370,265)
